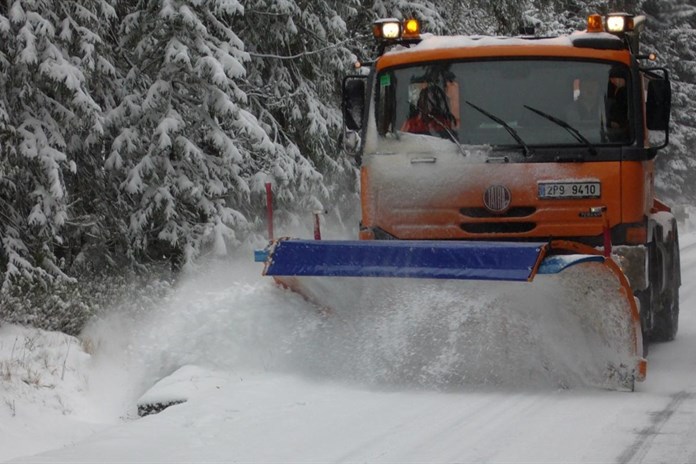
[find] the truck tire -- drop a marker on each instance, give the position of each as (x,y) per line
(667,318)
(649,298)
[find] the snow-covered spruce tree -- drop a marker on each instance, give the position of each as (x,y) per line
(90,232)
(506,15)
(47,115)
(671,33)
(183,150)
(467,18)
(429,12)
(300,51)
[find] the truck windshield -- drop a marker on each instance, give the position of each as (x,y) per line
(519,103)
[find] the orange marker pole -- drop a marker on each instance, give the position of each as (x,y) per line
(317,226)
(269,210)
(607,235)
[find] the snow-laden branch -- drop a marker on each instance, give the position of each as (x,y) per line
(311,52)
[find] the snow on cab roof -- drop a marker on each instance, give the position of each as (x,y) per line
(432,42)
(578,44)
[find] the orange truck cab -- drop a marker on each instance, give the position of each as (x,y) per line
(520,139)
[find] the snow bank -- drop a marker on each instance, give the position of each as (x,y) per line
(43,380)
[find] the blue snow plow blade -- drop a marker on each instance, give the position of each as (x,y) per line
(511,261)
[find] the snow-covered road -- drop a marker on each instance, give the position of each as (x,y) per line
(253,395)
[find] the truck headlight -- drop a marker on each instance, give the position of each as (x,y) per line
(389,29)
(618,23)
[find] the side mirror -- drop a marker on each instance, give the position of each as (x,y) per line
(658,104)
(354,89)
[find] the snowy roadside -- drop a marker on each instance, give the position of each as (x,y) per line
(57,390)
(43,380)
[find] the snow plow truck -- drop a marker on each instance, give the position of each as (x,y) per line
(503,159)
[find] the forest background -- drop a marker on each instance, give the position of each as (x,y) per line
(136,136)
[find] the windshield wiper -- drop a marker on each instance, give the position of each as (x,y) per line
(511,131)
(451,134)
(571,130)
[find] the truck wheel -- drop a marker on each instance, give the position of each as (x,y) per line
(667,319)
(649,299)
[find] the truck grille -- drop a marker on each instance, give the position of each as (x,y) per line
(497,227)
(517,211)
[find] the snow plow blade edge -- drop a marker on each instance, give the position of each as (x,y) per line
(397,258)
(512,261)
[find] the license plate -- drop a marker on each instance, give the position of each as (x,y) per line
(569,190)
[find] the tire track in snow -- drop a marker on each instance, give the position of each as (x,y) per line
(641,446)
(688,247)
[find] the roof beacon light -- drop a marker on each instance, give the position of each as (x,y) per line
(595,23)
(618,23)
(389,29)
(411,28)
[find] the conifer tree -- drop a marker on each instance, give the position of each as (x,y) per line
(46,113)
(49,51)
(183,148)
(671,31)
(90,231)
(300,50)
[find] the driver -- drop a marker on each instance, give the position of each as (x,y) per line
(430,115)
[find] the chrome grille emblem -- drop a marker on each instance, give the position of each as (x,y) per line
(497,198)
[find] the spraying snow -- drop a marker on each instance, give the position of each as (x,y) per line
(459,334)
(378,332)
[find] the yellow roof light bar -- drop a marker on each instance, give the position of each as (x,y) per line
(392,29)
(595,23)
(412,28)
